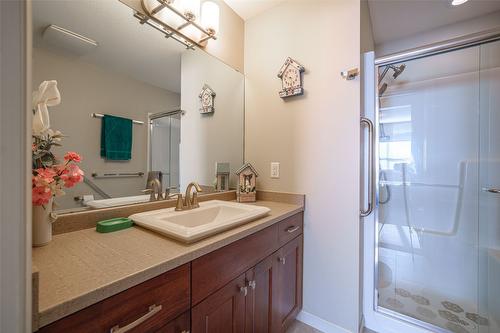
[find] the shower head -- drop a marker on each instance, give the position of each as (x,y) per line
(398,70)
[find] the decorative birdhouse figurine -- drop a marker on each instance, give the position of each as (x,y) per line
(221,177)
(291,78)
(246,183)
(207,99)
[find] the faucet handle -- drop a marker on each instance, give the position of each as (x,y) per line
(179,205)
(151,192)
(167,194)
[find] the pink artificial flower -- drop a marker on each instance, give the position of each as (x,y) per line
(43,177)
(46,173)
(40,195)
(72,175)
(72,156)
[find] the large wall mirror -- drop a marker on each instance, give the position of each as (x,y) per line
(108,68)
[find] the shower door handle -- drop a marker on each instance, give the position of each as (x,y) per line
(492,190)
(371,170)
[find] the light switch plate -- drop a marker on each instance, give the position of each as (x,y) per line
(275,169)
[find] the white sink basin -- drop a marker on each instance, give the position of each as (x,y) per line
(103,203)
(191,225)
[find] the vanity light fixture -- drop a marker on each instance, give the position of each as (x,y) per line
(181,20)
(458,2)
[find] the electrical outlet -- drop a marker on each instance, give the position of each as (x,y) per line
(275,169)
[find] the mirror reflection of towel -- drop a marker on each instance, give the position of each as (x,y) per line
(116,138)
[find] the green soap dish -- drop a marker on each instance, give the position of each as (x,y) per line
(115,224)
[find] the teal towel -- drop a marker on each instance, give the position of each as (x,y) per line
(116,138)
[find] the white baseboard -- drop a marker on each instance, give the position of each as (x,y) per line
(320,324)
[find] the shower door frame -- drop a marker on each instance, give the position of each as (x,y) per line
(376,317)
(151,117)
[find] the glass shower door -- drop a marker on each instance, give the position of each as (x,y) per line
(427,211)
(488,317)
(164,148)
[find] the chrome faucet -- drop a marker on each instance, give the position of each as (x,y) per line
(189,201)
(155,190)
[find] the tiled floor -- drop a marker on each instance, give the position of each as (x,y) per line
(299,327)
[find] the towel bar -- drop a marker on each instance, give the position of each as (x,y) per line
(117,174)
(100,115)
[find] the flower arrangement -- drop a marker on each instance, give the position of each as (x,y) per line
(49,175)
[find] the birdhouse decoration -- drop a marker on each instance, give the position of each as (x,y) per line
(291,78)
(246,183)
(221,177)
(207,99)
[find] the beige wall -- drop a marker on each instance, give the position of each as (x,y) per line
(229,44)
(210,138)
(315,137)
(86,88)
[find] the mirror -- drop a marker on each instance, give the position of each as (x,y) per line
(107,64)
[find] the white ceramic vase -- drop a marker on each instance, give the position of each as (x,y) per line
(43,217)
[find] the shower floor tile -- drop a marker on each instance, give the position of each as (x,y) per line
(431,307)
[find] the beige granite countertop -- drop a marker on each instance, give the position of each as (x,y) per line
(80,268)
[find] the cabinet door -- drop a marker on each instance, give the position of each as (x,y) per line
(289,283)
(261,281)
(223,311)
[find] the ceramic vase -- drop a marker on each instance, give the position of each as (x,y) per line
(43,217)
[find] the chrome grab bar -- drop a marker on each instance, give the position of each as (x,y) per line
(371,161)
(491,190)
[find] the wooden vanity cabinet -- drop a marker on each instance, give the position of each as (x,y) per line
(148,307)
(223,311)
(289,283)
(181,324)
(253,285)
(262,295)
(265,299)
(265,294)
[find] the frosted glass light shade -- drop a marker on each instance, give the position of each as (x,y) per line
(210,15)
(188,7)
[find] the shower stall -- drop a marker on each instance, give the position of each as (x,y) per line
(164,151)
(432,202)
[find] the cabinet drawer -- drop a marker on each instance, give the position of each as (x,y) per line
(290,228)
(216,269)
(144,308)
(181,324)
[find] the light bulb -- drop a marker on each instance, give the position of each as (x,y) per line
(210,16)
(458,2)
(190,8)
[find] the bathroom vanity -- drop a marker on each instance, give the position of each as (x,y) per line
(247,279)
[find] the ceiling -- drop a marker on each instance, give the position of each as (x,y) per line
(124,45)
(247,9)
(395,19)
